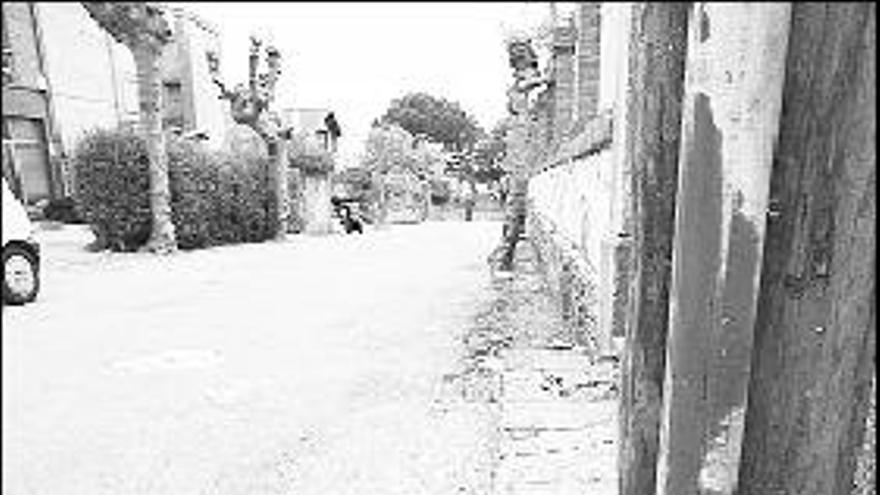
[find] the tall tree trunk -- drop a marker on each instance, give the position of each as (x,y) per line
(278,172)
(471,200)
(515,221)
(146,58)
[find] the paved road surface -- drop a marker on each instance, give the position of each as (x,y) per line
(309,366)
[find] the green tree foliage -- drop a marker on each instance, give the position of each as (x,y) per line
(390,147)
(441,120)
(484,162)
(489,154)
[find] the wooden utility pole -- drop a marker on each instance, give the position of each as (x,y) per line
(815,333)
(733,98)
(658,48)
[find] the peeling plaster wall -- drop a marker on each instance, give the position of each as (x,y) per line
(733,98)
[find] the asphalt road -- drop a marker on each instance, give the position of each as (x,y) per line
(308,366)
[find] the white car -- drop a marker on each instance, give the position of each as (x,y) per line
(21,252)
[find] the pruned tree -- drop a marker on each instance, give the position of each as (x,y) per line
(251,106)
(441,120)
(527,78)
(142,28)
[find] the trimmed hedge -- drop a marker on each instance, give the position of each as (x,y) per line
(216,198)
(112,188)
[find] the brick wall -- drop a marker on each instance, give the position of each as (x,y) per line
(564,41)
(587,53)
(576,193)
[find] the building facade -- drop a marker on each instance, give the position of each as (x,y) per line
(29,137)
(190,99)
(63,75)
(318,125)
(317,133)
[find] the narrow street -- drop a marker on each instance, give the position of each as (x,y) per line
(309,366)
(514,248)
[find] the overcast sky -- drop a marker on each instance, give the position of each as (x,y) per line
(353,58)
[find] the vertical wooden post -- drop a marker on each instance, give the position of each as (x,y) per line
(733,93)
(815,332)
(658,46)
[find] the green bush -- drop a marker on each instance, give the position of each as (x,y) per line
(112,188)
(216,198)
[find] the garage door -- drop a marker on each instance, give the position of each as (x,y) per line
(27,140)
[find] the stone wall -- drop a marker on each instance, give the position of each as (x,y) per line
(569,218)
(578,192)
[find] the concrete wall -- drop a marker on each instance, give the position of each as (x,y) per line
(318,211)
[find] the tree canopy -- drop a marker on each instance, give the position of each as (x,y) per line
(441,120)
(390,147)
(132,23)
(485,163)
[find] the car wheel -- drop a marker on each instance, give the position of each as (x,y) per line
(21,280)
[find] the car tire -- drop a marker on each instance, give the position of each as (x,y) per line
(16,257)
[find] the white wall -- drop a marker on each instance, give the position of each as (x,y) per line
(211,114)
(82,63)
(576,198)
(613,42)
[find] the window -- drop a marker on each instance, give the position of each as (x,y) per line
(173,104)
(26,164)
(323,137)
